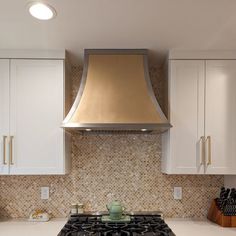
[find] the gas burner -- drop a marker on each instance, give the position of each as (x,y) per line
(92,225)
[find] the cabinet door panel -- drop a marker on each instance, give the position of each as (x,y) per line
(221,116)
(36,116)
(187,116)
(4,115)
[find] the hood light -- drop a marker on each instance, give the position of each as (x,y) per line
(88,130)
(143,130)
(42,11)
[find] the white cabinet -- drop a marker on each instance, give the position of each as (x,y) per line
(202,102)
(182,143)
(35,143)
(4,114)
(220,117)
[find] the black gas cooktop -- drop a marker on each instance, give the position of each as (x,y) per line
(92,225)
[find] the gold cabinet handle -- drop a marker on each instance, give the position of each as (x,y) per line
(202,140)
(209,150)
(11,151)
(4,150)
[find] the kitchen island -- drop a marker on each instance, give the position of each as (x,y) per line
(181,227)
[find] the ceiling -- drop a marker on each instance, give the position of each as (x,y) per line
(158,25)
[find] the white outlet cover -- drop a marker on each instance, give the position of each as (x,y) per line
(44,193)
(177,193)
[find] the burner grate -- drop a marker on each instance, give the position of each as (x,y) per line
(82,225)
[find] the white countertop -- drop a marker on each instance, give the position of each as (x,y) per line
(181,227)
(23,227)
(184,227)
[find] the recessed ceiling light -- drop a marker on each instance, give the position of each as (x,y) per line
(41,11)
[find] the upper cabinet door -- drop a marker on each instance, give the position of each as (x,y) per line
(186,91)
(4,115)
(220,117)
(36,139)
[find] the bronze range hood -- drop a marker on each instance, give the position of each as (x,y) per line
(116,94)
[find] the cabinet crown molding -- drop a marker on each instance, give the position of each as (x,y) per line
(32,54)
(177,54)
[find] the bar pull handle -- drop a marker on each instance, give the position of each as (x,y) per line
(202,140)
(10,150)
(209,150)
(4,150)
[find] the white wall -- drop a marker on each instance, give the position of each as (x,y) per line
(230,181)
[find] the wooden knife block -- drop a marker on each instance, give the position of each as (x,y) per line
(216,216)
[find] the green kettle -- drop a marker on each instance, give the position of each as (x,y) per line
(115,210)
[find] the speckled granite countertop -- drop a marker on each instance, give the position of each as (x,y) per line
(181,227)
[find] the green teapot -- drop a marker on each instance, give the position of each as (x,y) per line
(115,210)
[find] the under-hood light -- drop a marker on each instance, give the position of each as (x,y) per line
(143,130)
(41,11)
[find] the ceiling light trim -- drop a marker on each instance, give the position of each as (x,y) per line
(37,15)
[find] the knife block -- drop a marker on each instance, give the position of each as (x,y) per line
(215,215)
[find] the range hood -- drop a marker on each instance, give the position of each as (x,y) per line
(116,94)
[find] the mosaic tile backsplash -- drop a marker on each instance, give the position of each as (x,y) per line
(107,167)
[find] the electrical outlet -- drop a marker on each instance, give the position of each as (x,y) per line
(177,193)
(44,193)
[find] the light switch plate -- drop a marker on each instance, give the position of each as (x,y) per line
(44,193)
(177,193)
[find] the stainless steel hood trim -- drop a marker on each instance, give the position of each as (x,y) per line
(150,88)
(80,91)
(116,126)
(119,126)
